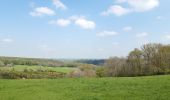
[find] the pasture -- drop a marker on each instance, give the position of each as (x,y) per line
(122,88)
(35,68)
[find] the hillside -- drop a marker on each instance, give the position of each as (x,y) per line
(123,88)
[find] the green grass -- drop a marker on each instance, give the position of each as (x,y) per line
(126,88)
(22,67)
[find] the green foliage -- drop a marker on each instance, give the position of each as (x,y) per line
(33,72)
(21,68)
(100,72)
(126,88)
(151,59)
(84,70)
(2,64)
(28,74)
(10,61)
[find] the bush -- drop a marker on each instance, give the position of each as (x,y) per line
(2,64)
(26,74)
(101,72)
(85,70)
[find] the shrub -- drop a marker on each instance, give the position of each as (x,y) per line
(100,72)
(29,74)
(2,64)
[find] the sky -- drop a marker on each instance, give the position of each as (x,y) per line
(73,29)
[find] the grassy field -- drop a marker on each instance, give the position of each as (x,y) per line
(22,67)
(126,88)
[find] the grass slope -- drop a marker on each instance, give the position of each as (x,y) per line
(126,88)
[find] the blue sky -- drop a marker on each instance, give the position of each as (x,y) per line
(81,28)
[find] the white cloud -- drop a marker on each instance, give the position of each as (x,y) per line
(116,10)
(143,5)
(80,21)
(133,6)
(84,23)
(59,4)
(61,22)
(127,29)
(143,34)
(107,33)
(41,11)
(7,40)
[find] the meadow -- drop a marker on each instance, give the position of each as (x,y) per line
(21,68)
(116,88)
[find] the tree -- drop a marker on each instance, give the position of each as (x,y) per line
(164,53)
(135,62)
(153,58)
(115,66)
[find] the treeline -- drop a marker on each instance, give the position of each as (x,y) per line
(150,59)
(11,61)
(92,61)
(31,74)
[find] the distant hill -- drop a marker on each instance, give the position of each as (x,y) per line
(92,61)
(4,61)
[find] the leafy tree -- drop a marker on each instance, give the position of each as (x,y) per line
(135,62)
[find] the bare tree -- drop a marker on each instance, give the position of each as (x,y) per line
(115,66)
